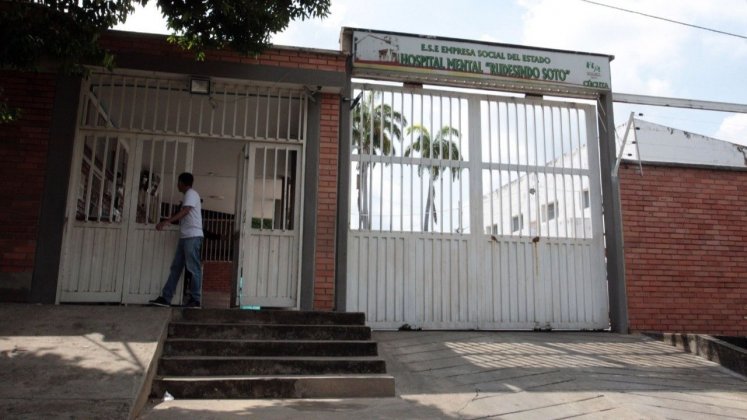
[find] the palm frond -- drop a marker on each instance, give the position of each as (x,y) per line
(376,126)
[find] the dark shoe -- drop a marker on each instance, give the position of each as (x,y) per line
(159,301)
(192,304)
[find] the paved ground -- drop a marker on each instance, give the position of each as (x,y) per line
(479,375)
(75,361)
(79,361)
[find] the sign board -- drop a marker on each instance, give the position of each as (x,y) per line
(404,54)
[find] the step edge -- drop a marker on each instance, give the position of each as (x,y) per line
(251,341)
(277,358)
(271,377)
(280,311)
(182,323)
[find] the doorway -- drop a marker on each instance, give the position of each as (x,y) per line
(269,209)
(136,133)
(125,185)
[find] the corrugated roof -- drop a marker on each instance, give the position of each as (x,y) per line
(661,144)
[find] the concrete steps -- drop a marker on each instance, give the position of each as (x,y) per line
(221,354)
(225,347)
(250,387)
(248,331)
(222,365)
(217,316)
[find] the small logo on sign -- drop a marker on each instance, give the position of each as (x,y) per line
(590,65)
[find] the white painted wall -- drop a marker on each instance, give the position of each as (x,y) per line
(530,194)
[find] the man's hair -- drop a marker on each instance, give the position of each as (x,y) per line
(186,178)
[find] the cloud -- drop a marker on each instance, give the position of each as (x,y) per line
(734,129)
(315,33)
(652,57)
(640,56)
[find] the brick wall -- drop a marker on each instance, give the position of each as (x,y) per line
(685,232)
(217,284)
(279,56)
(326,219)
(23,158)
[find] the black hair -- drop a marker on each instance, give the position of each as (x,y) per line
(186,178)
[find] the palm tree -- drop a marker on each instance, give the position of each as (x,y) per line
(374,129)
(442,146)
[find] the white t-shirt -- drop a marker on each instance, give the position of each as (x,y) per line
(191,225)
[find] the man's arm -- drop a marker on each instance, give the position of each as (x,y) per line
(178,216)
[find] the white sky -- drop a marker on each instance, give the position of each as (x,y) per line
(652,57)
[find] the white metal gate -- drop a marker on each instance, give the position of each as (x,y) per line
(475,211)
(136,133)
(112,251)
(92,267)
(269,223)
(154,197)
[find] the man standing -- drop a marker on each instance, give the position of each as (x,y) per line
(188,249)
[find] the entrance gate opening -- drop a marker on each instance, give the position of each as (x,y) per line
(268,225)
(137,132)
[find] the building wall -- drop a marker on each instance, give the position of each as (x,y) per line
(324,281)
(24,147)
(23,158)
(156,45)
(685,233)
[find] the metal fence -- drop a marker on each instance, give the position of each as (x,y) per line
(139,103)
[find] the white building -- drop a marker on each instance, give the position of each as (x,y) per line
(545,204)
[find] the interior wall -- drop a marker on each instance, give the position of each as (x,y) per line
(214,168)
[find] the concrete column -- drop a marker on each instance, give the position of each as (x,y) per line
(343,196)
(613,229)
(54,200)
(310,197)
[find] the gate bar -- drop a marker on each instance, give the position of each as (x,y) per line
(679,103)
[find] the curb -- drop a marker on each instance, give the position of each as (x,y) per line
(726,354)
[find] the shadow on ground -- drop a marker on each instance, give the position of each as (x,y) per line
(515,375)
(75,361)
(559,374)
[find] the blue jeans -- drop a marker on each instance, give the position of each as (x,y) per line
(187,253)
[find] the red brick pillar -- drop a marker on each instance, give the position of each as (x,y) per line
(24,146)
(326,219)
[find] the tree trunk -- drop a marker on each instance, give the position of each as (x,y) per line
(363,216)
(429,204)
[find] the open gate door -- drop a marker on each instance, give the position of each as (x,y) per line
(154,196)
(112,251)
(92,264)
(269,209)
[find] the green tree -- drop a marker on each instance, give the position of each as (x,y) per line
(374,129)
(64,34)
(443,146)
